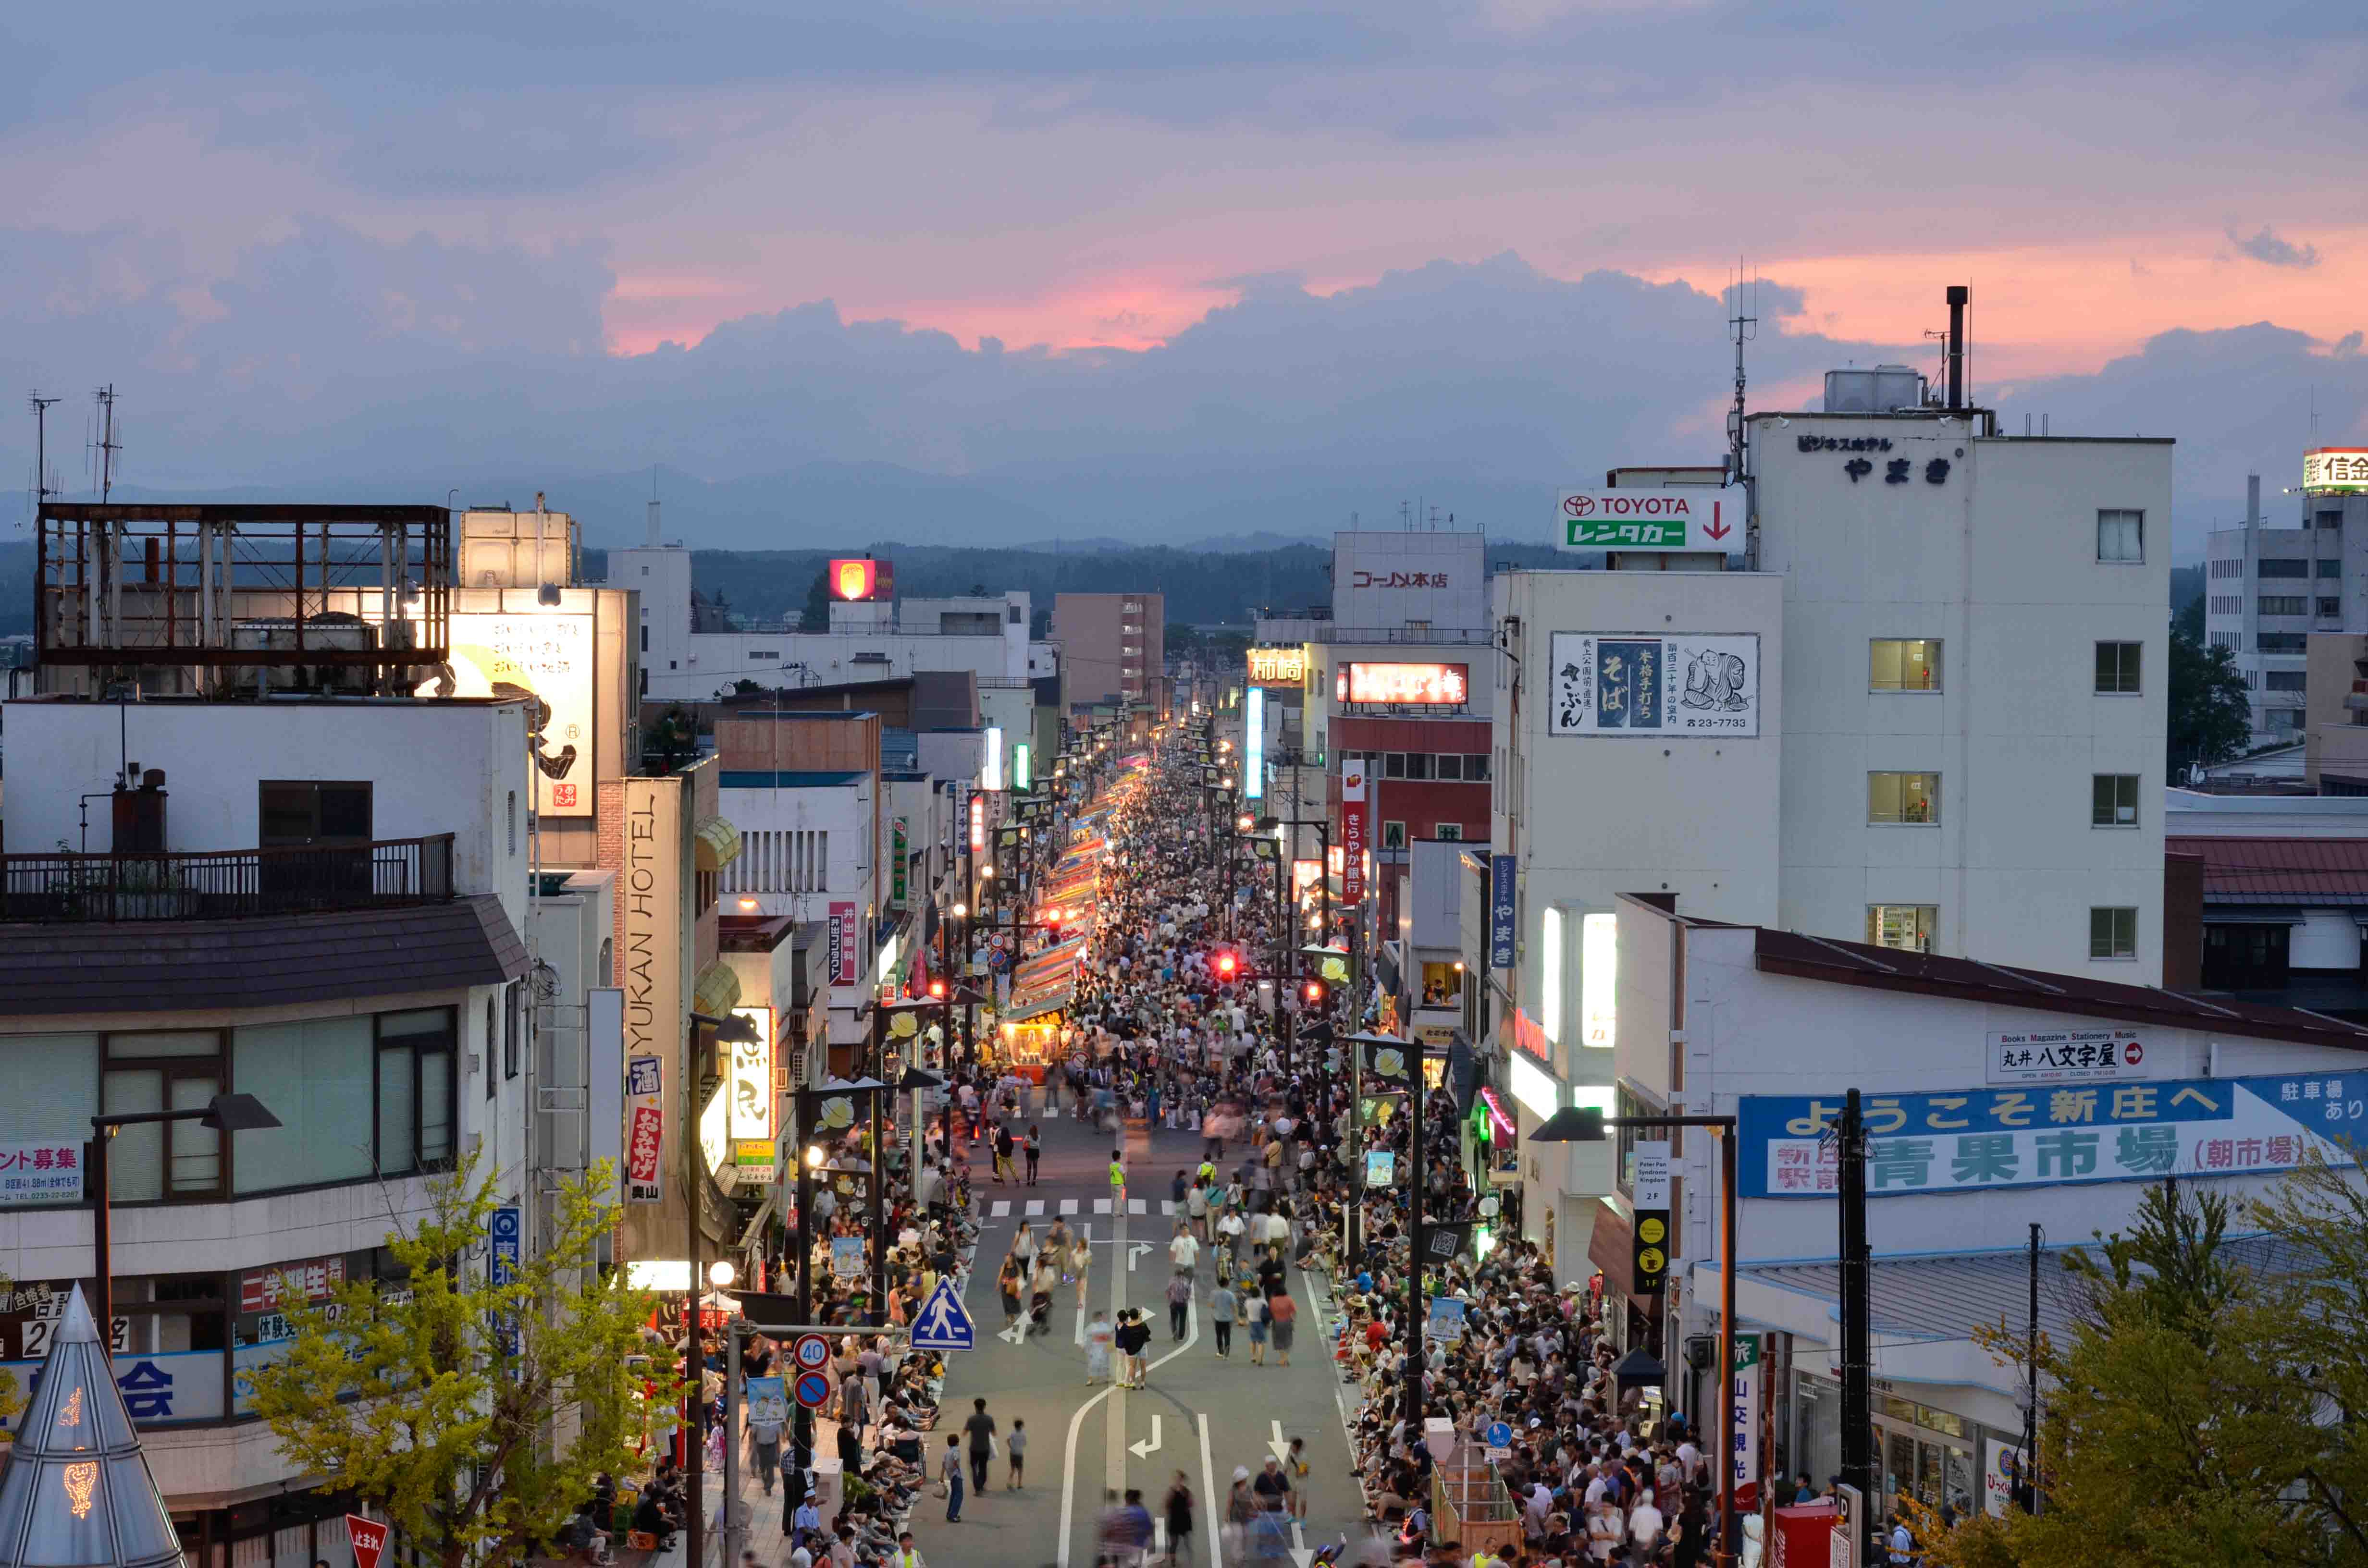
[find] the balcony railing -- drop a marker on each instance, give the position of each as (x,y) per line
(227,885)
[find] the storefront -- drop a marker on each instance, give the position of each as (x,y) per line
(1922,1451)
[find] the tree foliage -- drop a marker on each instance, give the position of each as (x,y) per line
(474,1416)
(2201,1412)
(2210,717)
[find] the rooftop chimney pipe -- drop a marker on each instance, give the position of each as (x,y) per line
(2252,500)
(653,525)
(1958,293)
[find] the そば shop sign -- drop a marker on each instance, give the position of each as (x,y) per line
(1653,685)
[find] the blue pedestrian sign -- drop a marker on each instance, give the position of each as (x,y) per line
(943,1324)
(1500,1434)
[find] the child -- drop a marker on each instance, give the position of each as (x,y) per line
(1015,1443)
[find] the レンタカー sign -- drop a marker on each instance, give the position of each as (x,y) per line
(2043,1055)
(1688,517)
(1963,1140)
(1619,683)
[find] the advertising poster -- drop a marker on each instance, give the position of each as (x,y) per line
(546,660)
(843,936)
(1353,831)
(1655,685)
(645,1131)
(649,967)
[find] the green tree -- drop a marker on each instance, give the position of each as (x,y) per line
(2184,1424)
(672,741)
(2210,719)
(474,1416)
(817,611)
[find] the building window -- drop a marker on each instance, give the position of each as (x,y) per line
(1448,764)
(317,1077)
(2114,800)
(1448,832)
(509,819)
(1475,767)
(2284,566)
(2283,721)
(2329,609)
(2121,535)
(2285,680)
(2245,958)
(1907,927)
(1394,764)
(1904,663)
(1418,765)
(2281,642)
(293,814)
(164,1070)
(513,1030)
(2329,566)
(2117,668)
(1903,798)
(764,653)
(2331,518)
(2284,603)
(414,1091)
(2112,933)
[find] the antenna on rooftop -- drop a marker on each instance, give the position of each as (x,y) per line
(1742,327)
(654,506)
(107,445)
(42,488)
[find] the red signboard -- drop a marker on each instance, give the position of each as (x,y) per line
(369,1537)
(1353,831)
(843,934)
(857,580)
(642,1143)
(977,824)
(1427,686)
(286,1284)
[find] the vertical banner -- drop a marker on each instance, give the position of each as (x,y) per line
(1254,746)
(503,1232)
(842,943)
(1649,1190)
(1352,830)
(645,1131)
(1502,926)
(1746,1397)
(977,824)
(899,871)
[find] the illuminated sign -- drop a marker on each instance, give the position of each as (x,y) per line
(1599,979)
(1254,746)
(842,950)
(977,824)
(857,580)
(1278,666)
(2335,471)
(1353,831)
(1427,686)
(1021,779)
(994,769)
(545,660)
(752,1077)
(1532,1085)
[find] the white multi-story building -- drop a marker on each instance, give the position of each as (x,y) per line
(322,905)
(2267,589)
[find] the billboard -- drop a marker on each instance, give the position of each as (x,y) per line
(2335,471)
(1426,686)
(649,966)
(1254,746)
(544,660)
(843,938)
(859,580)
(2051,1134)
(1388,581)
(1655,685)
(1279,666)
(1503,874)
(1695,517)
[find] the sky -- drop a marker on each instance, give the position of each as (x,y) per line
(1158,265)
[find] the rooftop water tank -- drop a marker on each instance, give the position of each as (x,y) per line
(1884,390)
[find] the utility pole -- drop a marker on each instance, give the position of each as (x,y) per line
(41,491)
(2027,1473)
(1856,1269)
(108,445)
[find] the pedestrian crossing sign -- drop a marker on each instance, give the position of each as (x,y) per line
(943,1323)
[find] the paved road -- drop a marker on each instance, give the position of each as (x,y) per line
(1202,1415)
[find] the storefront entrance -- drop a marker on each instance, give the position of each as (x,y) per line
(1926,1454)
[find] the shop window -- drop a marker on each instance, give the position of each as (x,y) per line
(2245,958)
(165,1070)
(316,1077)
(415,1090)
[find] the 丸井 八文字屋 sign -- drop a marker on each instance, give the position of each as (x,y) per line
(2142,1129)
(1652,683)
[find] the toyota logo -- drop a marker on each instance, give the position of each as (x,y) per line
(1578,506)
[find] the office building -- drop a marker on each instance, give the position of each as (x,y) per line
(2268,589)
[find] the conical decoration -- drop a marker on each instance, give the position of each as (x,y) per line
(76,1492)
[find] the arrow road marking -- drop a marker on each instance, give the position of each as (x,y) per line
(1281,1449)
(1145,1450)
(1301,1554)
(1134,1254)
(1015,1335)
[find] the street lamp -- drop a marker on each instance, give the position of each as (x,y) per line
(1584,1124)
(224,1113)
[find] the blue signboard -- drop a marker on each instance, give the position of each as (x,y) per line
(1503,925)
(2044,1134)
(943,1324)
(503,1231)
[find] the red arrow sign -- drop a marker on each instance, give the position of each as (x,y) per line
(1715,528)
(369,1537)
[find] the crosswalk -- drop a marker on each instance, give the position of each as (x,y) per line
(1033,1208)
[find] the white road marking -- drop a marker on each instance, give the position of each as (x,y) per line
(1035,1207)
(1138,1206)
(1301,1552)
(1068,1206)
(1117,1416)
(1102,1205)
(1134,1254)
(1282,1447)
(1002,1210)
(1167,1207)
(1209,1490)
(1145,1450)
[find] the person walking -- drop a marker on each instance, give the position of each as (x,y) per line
(1254,1307)
(1009,1285)
(1034,1151)
(1004,1145)
(1099,1338)
(1015,1444)
(1178,1509)
(1023,1245)
(1081,1264)
(949,1476)
(1117,1181)
(764,1446)
(1283,1313)
(1224,1307)
(1180,1304)
(980,1429)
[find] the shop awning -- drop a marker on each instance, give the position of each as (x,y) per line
(717,992)
(715,842)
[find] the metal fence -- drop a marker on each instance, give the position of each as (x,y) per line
(226,884)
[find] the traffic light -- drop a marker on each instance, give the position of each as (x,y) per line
(1313,992)
(936,989)
(1227,964)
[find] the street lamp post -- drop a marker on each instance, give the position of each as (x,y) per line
(1583,1124)
(224,1113)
